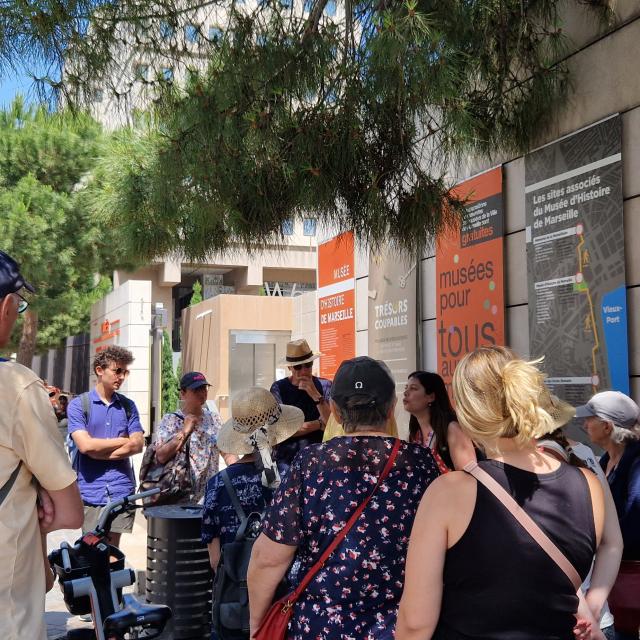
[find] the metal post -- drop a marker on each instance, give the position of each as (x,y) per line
(158,324)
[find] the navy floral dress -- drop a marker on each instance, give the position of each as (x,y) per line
(219,517)
(355,596)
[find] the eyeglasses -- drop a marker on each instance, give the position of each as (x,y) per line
(22,304)
(306,365)
(119,371)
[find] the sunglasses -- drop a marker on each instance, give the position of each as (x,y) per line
(306,365)
(22,304)
(119,371)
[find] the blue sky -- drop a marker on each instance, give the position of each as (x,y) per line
(12,83)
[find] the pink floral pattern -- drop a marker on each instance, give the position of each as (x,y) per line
(356,594)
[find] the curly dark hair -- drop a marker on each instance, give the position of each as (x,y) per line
(112,355)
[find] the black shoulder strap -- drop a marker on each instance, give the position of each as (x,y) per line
(86,406)
(6,487)
(127,405)
(233,495)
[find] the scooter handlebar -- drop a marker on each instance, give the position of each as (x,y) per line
(104,516)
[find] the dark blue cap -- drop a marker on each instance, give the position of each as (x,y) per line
(11,280)
(193,380)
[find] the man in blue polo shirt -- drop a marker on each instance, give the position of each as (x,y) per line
(107,432)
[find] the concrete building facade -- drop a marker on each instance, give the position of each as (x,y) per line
(601,64)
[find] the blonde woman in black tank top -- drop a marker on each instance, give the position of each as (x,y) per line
(472,572)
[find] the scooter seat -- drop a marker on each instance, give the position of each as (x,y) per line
(136,614)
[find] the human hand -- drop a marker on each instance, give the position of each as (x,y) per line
(586,630)
(46,510)
(190,423)
(306,384)
(308,427)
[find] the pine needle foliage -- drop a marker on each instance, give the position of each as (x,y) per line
(357,119)
(170,392)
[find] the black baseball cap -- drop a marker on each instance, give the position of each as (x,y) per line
(366,381)
(11,280)
(193,380)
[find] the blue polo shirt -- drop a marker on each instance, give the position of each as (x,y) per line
(101,480)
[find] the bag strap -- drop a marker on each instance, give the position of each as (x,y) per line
(347,527)
(6,487)
(525,521)
(86,406)
(127,405)
(233,495)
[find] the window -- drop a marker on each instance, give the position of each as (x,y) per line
(191,33)
(261,39)
(167,74)
(287,228)
(98,95)
(141,72)
(308,5)
(166,30)
(330,8)
(215,34)
(286,3)
(309,227)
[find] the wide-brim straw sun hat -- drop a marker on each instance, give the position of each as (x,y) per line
(254,408)
(298,352)
(561,412)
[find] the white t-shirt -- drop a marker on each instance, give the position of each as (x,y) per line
(586,454)
(28,433)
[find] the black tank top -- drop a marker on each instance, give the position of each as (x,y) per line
(498,582)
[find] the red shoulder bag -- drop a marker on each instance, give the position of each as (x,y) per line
(276,621)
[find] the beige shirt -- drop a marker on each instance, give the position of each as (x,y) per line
(28,432)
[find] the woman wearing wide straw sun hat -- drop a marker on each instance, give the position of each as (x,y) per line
(305,391)
(603,574)
(257,424)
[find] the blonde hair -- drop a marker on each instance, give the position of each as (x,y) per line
(498,395)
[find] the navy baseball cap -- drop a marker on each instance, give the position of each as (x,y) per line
(193,380)
(11,280)
(367,381)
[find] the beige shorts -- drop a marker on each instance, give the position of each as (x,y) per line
(122,524)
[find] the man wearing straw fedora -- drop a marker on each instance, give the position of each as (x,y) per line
(305,391)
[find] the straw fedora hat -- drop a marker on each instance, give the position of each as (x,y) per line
(299,352)
(254,408)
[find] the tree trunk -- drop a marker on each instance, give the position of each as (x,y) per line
(28,339)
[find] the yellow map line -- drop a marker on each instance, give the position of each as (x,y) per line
(593,317)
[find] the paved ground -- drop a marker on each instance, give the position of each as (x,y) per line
(134,546)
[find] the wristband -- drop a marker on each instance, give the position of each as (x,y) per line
(319,401)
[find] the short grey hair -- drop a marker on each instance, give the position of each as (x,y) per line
(620,435)
(356,415)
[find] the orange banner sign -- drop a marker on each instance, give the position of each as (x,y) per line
(336,302)
(469,275)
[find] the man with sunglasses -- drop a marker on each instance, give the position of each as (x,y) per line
(33,463)
(305,391)
(105,427)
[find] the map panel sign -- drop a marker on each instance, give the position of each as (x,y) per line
(575,262)
(469,275)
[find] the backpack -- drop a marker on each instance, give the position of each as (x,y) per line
(85,400)
(173,478)
(230,607)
